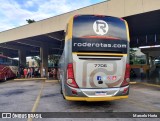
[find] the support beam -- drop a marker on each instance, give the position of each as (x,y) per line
(14,47)
(151,61)
(59,36)
(44,60)
(9,52)
(147,72)
(22,57)
(55,38)
(30,43)
(34,43)
(8,47)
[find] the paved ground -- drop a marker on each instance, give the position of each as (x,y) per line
(37,96)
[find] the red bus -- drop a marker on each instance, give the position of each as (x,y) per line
(8,67)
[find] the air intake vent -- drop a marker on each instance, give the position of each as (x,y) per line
(99,57)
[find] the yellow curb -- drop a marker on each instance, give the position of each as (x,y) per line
(30,79)
(144,83)
(49,81)
(154,85)
(132,82)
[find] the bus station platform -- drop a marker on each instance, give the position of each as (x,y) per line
(144,82)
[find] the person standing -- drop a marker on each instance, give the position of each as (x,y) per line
(25,72)
(48,74)
(142,73)
(21,73)
(36,71)
(39,72)
(54,73)
(31,72)
(44,72)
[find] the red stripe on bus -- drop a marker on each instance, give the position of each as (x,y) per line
(102,37)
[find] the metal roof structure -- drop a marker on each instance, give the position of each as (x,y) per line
(143,17)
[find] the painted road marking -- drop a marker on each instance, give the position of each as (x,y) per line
(22,80)
(153,85)
(29,79)
(144,83)
(10,81)
(37,100)
(50,81)
(132,82)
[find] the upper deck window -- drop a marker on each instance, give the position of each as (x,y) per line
(105,26)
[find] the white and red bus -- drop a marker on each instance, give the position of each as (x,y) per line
(8,67)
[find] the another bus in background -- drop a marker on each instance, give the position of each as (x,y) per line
(8,67)
(94,65)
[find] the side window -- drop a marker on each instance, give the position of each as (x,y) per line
(15,63)
(9,61)
(1,60)
(4,61)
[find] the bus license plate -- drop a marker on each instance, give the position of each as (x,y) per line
(101,93)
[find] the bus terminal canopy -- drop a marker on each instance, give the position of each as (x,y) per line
(143,20)
(53,41)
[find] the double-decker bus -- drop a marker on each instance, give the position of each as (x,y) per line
(8,68)
(94,65)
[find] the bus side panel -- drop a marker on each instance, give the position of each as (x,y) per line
(62,70)
(65,59)
(8,71)
(13,71)
(66,56)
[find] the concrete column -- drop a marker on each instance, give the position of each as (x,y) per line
(22,57)
(147,72)
(151,61)
(44,60)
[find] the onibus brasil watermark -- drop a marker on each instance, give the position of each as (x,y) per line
(36,115)
(21,115)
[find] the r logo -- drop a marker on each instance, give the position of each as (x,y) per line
(100,27)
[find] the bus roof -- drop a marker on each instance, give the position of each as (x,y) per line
(3,56)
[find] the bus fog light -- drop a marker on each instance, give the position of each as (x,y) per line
(69,81)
